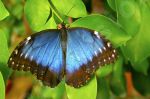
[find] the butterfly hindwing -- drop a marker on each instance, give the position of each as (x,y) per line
(86,51)
(41,53)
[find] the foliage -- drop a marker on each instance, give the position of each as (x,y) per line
(4,13)
(73,93)
(129,33)
(37,19)
(3,53)
(2,87)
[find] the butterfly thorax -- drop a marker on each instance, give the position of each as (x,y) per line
(63,30)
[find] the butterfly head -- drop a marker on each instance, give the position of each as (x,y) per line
(61,26)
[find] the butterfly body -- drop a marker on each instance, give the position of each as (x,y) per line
(63,32)
(75,53)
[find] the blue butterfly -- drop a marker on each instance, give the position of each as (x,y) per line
(75,53)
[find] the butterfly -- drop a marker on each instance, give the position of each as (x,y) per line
(71,53)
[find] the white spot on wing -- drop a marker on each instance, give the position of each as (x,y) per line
(29,38)
(114,51)
(96,33)
(104,60)
(104,48)
(26,42)
(100,50)
(108,44)
(26,56)
(16,52)
(113,55)
(13,63)
(21,54)
(10,59)
(95,53)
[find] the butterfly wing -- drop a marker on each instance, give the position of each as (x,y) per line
(86,51)
(41,54)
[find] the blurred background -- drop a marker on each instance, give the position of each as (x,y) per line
(127,81)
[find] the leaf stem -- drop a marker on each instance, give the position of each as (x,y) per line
(56,12)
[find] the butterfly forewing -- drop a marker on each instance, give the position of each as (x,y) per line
(41,54)
(86,51)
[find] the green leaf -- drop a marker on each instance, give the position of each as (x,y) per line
(72,8)
(142,67)
(4,54)
(37,13)
(45,92)
(138,49)
(89,91)
(3,12)
(141,82)
(129,15)
(4,29)
(2,87)
(112,4)
(54,93)
(103,89)
(104,70)
(117,79)
(105,26)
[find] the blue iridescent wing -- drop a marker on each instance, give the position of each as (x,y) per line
(86,52)
(41,53)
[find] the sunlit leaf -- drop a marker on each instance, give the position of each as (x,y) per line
(88,91)
(4,54)
(138,49)
(3,11)
(129,15)
(54,93)
(37,13)
(2,87)
(72,8)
